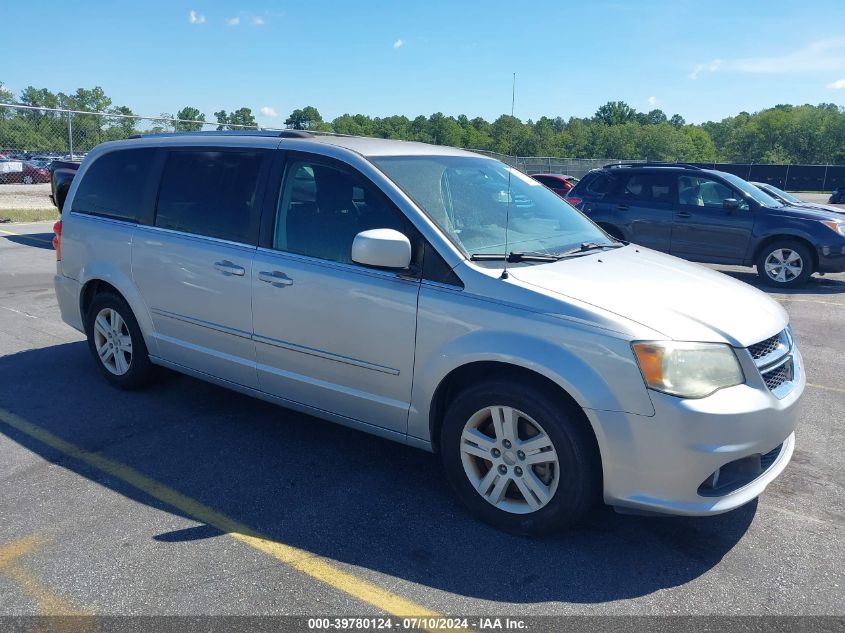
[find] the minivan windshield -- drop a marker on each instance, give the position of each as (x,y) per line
(759,196)
(469,198)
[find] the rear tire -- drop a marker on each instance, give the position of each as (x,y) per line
(116,343)
(538,474)
(785,264)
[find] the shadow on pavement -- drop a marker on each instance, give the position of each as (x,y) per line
(341,494)
(37,240)
(816,285)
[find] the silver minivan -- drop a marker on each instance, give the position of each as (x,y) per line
(437,298)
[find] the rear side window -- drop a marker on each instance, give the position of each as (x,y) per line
(113,186)
(645,188)
(211,193)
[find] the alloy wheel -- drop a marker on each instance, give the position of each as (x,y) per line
(113,341)
(783,265)
(509,459)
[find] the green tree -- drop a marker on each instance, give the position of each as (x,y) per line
(190,119)
(615,113)
(308,118)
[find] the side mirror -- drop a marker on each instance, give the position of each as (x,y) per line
(382,248)
(731,204)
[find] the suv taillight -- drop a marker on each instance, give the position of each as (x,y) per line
(57,239)
(574,200)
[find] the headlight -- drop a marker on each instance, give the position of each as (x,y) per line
(687,370)
(837,226)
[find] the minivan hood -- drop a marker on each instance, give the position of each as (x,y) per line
(681,300)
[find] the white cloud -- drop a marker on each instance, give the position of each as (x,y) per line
(839,84)
(268,111)
(196,18)
(653,101)
(257,21)
(711,67)
(828,54)
(820,56)
(398,43)
(233,21)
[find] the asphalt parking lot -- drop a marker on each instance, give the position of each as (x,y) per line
(190,499)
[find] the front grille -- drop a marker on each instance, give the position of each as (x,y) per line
(764,348)
(779,375)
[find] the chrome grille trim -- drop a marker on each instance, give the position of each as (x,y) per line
(775,362)
(771,350)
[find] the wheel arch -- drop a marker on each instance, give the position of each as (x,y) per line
(95,284)
(791,237)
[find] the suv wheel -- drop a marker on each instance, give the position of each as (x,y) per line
(518,459)
(116,343)
(785,263)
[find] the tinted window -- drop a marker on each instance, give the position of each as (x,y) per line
(704,192)
(546,180)
(321,210)
(598,183)
(210,193)
(114,184)
(645,188)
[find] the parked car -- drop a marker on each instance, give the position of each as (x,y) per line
(559,183)
(62,172)
(838,196)
(788,199)
(711,216)
(358,280)
(23,172)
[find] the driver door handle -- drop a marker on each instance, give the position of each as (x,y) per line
(622,207)
(276,277)
(684,214)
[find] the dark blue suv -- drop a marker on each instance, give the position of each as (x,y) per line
(712,216)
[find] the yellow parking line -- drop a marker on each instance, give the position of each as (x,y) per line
(48,603)
(26,237)
(301,560)
(826,388)
(788,300)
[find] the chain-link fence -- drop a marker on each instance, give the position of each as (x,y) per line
(27,132)
(554,164)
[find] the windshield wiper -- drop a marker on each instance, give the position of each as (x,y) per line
(586,247)
(513,257)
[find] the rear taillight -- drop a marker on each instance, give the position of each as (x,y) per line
(57,239)
(574,200)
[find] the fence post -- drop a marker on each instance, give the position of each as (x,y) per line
(786,178)
(70,133)
(824,180)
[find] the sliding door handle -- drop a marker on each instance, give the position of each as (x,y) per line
(228,268)
(276,277)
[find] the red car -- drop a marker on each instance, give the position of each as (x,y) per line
(28,173)
(559,183)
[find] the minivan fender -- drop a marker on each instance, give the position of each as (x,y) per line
(562,366)
(98,270)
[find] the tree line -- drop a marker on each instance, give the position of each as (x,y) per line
(781,134)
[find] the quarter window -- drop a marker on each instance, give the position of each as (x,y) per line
(114,184)
(321,209)
(211,193)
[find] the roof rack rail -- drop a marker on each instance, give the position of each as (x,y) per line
(266,133)
(652,164)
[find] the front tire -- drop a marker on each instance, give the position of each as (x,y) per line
(520,458)
(785,264)
(116,343)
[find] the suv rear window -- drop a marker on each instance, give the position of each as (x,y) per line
(113,185)
(211,193)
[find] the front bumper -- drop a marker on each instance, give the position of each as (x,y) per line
(659,463)
(831,258)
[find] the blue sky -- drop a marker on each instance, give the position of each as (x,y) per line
(703,60)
